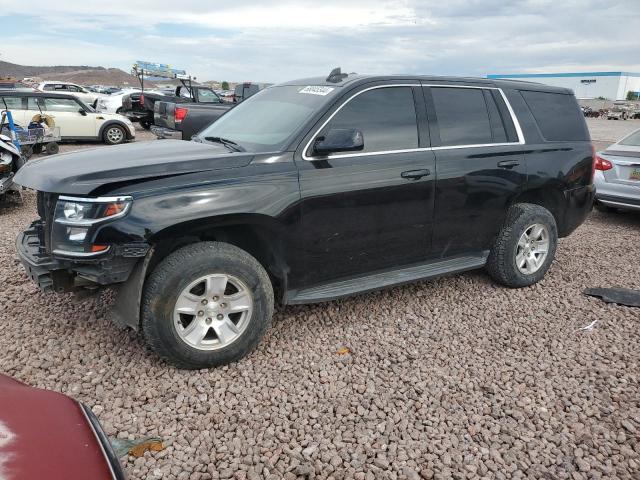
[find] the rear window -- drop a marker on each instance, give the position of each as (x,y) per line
(558,116)
(632,140)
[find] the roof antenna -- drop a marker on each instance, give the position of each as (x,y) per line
(336,75)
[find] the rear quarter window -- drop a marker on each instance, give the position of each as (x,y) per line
(558,116)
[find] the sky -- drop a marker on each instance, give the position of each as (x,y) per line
(272,41)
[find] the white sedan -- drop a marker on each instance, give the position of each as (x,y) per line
(76,120)
(77,91)
(113,103)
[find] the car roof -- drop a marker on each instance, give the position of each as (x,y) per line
(15,93)
(56,81)
(353,79)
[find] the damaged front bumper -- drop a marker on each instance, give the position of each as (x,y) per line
(60,274)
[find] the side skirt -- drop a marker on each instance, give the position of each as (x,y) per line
(388,278)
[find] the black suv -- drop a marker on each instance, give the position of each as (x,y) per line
(314,189)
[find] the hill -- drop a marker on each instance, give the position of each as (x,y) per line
(82,74)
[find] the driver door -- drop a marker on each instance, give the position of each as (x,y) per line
(372,209)
(66,113)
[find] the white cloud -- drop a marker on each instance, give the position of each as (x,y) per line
(280,40)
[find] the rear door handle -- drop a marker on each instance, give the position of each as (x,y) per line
(508,164)
(416,174)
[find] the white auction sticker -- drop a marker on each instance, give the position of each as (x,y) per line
(317,90)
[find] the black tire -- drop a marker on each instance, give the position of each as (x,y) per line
(52,148)
(501,263)
(110,136)
(174,274)
(145,124)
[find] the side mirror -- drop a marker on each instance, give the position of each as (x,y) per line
(339,140)
(82,112)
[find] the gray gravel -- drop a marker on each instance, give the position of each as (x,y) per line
(454,378)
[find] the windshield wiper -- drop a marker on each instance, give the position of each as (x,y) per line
(230,144)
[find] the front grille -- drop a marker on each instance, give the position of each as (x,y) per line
(46,211)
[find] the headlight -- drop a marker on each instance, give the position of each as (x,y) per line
(85,212)
(75,221)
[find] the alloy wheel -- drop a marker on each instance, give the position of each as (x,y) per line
(213,311)
(532,249)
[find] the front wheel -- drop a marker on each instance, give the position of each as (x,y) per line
(205,305)
(525,246)
(114,135)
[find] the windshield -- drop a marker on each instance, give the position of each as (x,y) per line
(267,120)
(632,140)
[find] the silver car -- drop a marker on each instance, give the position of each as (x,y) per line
(617,176)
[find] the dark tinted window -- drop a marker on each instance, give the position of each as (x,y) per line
(557,115)
(462,116)
(497,124)
(385,116)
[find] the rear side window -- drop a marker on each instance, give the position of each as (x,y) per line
(557,115)
(463,118)
(11,103)
(385,116)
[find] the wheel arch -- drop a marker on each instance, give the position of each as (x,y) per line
(259,235)
(549,197)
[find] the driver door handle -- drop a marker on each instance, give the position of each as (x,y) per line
(416,174)
(508,164)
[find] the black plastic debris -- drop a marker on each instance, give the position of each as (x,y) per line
(620,296)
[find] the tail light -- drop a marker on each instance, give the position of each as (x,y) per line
(602,164)
(179,114)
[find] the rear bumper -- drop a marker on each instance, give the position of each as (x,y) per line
(618,195)
(163,132)
(619,202)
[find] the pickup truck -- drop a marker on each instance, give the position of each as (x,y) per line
(310,191)
(181,121)
(139,106)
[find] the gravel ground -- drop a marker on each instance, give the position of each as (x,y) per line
(453,378)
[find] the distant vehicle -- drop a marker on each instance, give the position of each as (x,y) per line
(45,434)
(76,120)
(244,90)
(143,109)
(181,121)
(617,176)
(313,190)
(77,91)
(15,86)
(619,111)
(113,103)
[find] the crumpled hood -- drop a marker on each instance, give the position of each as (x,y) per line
(83,171)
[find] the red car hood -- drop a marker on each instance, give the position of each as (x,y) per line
(46,435)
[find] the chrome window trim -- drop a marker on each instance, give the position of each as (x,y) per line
(67,253)
(514,119)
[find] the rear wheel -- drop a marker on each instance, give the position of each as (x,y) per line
(205,305)
(114,135)
(525,247)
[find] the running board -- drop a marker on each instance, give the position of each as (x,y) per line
(377,281)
